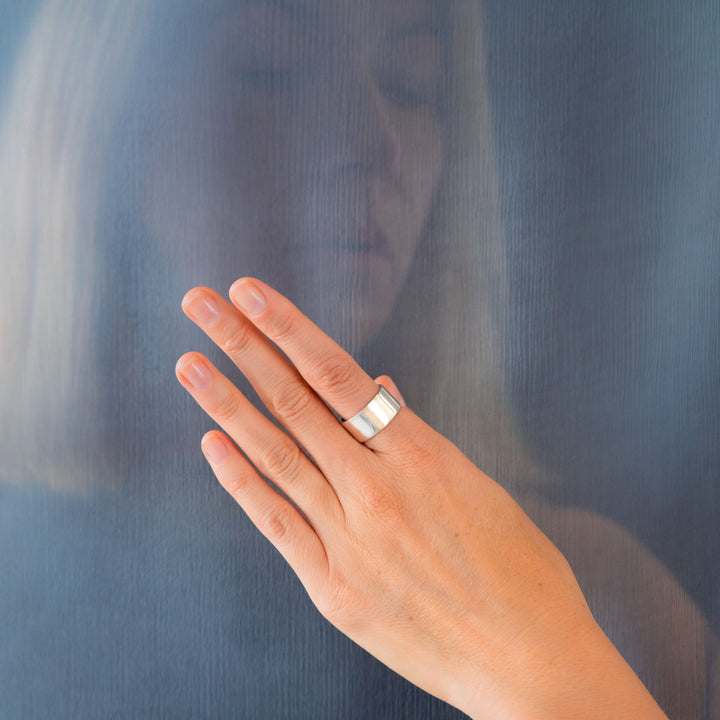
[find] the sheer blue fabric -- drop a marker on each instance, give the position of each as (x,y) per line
(537,184)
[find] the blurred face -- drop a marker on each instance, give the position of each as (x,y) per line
(302,143)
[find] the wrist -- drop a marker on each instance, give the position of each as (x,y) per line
(589,680)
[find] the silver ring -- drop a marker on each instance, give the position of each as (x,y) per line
(373,417)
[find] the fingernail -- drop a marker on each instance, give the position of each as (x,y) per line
(248,297)
(201,309)
(214,448)
(196,373)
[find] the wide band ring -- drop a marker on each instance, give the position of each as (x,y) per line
(373,417)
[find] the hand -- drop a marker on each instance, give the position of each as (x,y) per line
(403,544)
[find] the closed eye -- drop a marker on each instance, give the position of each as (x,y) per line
(268,80)
(408,95)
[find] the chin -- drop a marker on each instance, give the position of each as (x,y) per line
(351,316)
(347,298)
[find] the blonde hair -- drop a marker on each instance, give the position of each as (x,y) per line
(51,142)
(54,142)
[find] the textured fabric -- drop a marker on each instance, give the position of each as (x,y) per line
(541,180)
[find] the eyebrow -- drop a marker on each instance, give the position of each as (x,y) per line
(301,10)
(421,27)
(292,7)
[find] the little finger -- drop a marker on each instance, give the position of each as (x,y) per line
(274,516)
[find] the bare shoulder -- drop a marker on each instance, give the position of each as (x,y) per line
(640,605)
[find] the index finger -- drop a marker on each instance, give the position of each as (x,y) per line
(326,367)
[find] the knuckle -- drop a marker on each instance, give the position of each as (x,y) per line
(237,486)
(235,340)
(227,408)
(333,372)
(420,451)
(291,400)
(276,525)
(340,604)
(281,327)
(423,459)
(380,502)
(282,461)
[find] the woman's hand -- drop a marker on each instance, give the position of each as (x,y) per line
(402,543)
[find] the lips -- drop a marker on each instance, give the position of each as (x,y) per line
(371,242)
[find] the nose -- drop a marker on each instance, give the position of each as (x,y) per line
(366,137)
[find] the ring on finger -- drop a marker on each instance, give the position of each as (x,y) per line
(375,416)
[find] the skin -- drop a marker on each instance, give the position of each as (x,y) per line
(475,605)
(656,626)
(306,146)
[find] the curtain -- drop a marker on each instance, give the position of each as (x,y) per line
(511,208)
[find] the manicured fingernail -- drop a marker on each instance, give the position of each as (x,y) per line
(201,309)
(214,448)
(196,373)
(248,297)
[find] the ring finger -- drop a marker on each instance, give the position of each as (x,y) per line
(275,454)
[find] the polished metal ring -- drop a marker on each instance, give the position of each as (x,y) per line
(373,417)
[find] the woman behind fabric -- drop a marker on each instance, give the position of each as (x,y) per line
(130,189)
(151,83)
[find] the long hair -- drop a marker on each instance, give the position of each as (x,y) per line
(51,140)
(443,343)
